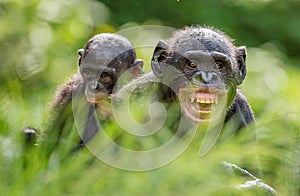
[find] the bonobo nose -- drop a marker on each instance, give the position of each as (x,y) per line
(206,76)
(94,85)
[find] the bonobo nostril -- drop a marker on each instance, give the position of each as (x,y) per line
(206,76)
(94,85)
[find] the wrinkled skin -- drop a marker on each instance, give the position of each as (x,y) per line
(207,68)
(197,72)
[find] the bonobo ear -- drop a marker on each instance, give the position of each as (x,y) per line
(241,61)
(159,54)
(80,52)
(137,67)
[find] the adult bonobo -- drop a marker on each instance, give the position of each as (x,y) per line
(202,69)
(208,69)
(103,60)
(195,74)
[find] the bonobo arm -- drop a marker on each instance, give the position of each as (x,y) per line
(61,121)
(241,110)
(64,93)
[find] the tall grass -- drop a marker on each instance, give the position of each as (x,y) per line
(31,71)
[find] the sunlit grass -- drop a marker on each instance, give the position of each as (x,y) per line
(45,56)
(278,149)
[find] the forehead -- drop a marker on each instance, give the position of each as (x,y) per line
(101,56)
(108,50)
(201,39)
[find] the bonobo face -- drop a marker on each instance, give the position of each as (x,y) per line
(205,87)
(99,78)
(100,71)
(104,59)
(207,68)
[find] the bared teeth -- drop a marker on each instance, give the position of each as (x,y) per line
(193,99)
(205,100)
(200,100)
(205,111)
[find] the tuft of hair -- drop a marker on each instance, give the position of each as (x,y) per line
(201,37)
(118,44)
(63,94)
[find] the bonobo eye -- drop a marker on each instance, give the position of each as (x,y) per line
(192,65)
(219,65)
(87,74)
(105,77)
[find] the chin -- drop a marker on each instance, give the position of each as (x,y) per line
(96,97)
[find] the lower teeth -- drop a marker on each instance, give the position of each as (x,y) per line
(205,112)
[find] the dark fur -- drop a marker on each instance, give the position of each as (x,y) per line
(171,53)
(119,55)
(208,39)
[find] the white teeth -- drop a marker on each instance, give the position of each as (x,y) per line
(204,100)
(200,100)
(201,111)
(205,112)
(193,99)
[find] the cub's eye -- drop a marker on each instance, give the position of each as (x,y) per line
(192,65)
(87,74)
(105,77)
(219,65)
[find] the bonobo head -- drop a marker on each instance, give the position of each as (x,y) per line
(208,68)
(105,57)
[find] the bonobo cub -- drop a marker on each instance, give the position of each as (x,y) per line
(103,60)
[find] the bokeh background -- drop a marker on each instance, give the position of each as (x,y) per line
(38,44)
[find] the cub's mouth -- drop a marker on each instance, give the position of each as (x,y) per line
(198,104)
(96,97)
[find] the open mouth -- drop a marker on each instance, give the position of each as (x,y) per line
(198,103)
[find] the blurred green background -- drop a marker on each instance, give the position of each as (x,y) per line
(38,43)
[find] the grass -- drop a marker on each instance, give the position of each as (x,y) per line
(25,171)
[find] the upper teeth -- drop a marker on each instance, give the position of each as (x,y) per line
(193,99)
(202,100)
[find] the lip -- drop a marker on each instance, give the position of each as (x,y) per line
(96,97)
(198,103)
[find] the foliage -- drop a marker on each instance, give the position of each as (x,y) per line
(39,40)
(250,22)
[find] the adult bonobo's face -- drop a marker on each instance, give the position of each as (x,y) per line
(208,68)
(104,59)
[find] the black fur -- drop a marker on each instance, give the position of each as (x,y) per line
(207,46)
(105,57)
(203,44)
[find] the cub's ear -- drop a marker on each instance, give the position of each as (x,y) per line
(137,67)
(80,52)
(159,55)
(241,54)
